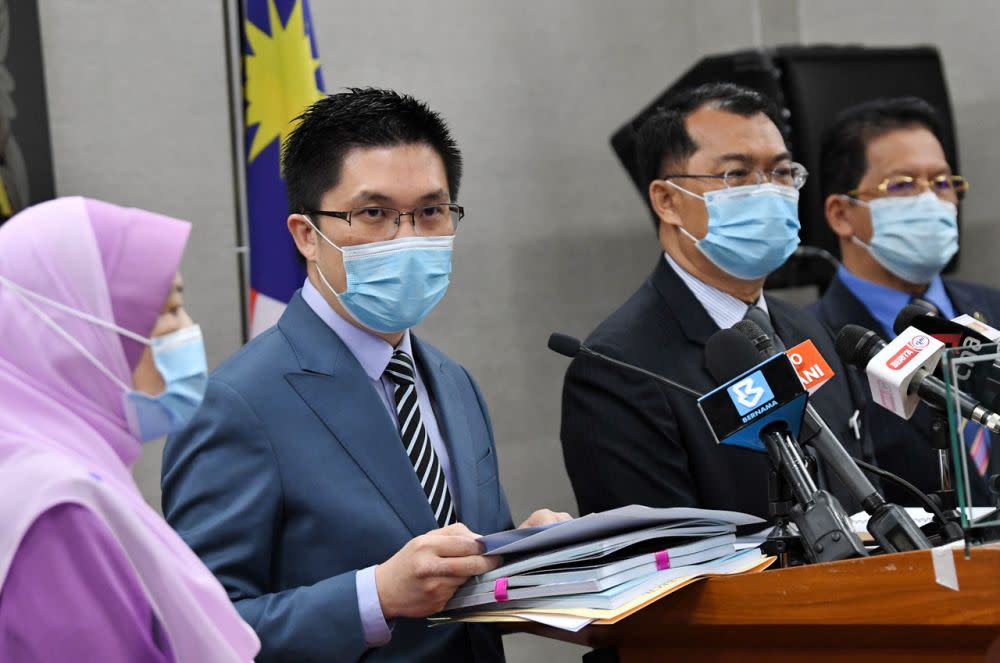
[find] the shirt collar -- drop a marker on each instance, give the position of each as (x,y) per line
(885,303)
(725,309)
(372,352)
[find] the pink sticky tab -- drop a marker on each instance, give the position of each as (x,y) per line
(500,590)
(662,560)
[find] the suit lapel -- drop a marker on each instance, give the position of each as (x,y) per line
(692,317)
(963,302)
(784,321)
(335,387)
(449,411)
(839,307)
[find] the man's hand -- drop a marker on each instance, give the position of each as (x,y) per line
(419,579)
(545,517)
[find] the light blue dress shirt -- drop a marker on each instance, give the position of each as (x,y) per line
(885,303)
(722,307)
(374,354)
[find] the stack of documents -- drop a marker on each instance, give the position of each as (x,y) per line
(604,566)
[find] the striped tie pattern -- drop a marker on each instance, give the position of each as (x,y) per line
(416,440)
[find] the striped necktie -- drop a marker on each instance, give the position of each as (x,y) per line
(416,441)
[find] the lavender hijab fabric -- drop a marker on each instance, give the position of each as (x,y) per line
(63,433)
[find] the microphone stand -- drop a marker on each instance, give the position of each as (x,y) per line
(825,532)
(940,443)
(781,541)
(952,529)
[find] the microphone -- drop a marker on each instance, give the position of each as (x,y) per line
(899,373)
(889,524)
(571,347)
(951,333)
(972,338)
(766,399)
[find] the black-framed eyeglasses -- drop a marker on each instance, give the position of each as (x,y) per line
(904,185)
(793,175)
(382,223)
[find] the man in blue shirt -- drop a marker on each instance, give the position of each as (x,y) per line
(891,199)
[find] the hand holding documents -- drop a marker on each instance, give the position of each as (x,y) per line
(603,566)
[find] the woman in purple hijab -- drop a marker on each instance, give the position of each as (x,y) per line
(88,572)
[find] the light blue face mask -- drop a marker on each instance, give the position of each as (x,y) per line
(751,229)
(913,237)
(179,357)
(393,285)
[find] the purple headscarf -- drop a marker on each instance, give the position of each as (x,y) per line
(63,433)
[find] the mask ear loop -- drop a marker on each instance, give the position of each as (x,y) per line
(316,262)
(320,233)
(23,294)
(854,238)
(690,193)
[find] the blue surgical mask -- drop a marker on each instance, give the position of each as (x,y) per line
(751,229)
(913,237)
(393,285)
(179,357)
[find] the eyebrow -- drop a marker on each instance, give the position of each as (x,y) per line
(371,196)
(734,156)
(434,195)
(946,170)
(784,156)
(747,159)
(383,199)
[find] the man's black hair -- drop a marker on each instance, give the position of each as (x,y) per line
(843,160)
(314,152)
(663,142)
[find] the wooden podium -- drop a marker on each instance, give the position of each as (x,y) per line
(885,608)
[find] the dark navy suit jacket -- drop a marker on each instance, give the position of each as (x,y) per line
(630,440)
(292,476)
(901,446)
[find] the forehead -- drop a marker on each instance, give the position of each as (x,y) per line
(718,132)
(399,172)
(910,149)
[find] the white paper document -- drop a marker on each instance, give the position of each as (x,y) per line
(565,622)
(598,525)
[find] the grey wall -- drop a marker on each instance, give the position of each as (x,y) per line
(555,236)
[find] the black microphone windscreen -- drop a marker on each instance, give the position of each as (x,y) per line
(908,316)
(759,337)
(855,344)
(564,345)
(729,353)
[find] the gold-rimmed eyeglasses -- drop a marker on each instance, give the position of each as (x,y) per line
(905,185)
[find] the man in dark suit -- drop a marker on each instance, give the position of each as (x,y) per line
(891,199)
(339,470)
(725,192)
